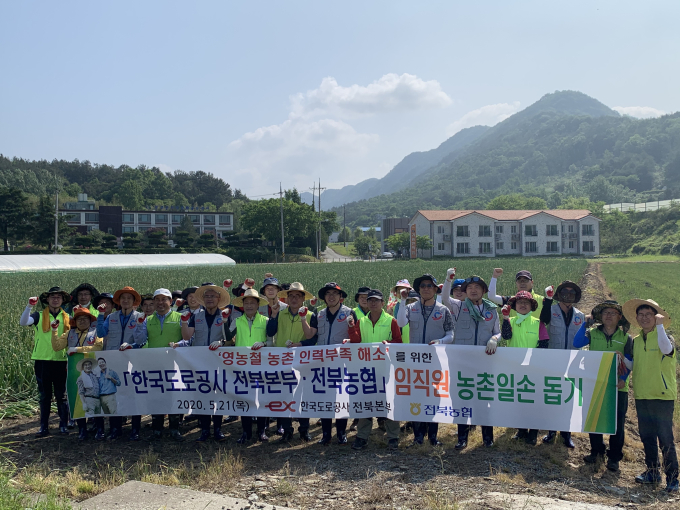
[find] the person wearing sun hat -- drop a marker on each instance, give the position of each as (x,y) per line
(49,366)
(393,306)
(89,391)
(525,331)
(362,304)
(83,295)
(523,281)
(565,320)
(654,388)
(610,335)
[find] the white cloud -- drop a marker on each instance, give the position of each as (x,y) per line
(392,92)
(640,112)
(164,168)
(486,116)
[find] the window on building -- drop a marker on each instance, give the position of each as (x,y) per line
(161,218)
(499,229)
(588,246)
(90,228)
(440,246)
(128,218)
(551,230)
(144,218)
(208,219)
(551,247)
(530,230)
(587,230)
(513,229)
(225,219)
(195,218)
(499,246)
(462,248)
(484,247)
(513,246)
(530,247)
(462,231)
(485,231)
(571,245)
(177,218)
(91,217)
(72,218)
(143,229)
(440,229)
(570,229)
(128,229)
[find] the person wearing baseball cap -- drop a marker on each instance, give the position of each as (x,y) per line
(49,366)
(655,389)
(524,281)
(610,335)
(564,320)
(160,330)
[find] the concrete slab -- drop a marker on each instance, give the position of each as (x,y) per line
(499,500)
(148,496)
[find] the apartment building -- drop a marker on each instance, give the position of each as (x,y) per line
(494,233)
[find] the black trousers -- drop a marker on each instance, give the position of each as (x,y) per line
(303,425)
(136,423)
(655,423)
(340,426)
(616,441)
(205,420)
(420,428)
(247,425)
(98,422)
(157,421)
(464,430)
(51,379)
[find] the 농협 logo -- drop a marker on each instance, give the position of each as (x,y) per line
(415,408)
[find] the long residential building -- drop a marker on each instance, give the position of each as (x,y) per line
(524,233)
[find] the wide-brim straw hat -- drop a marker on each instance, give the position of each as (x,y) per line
(630,311)
(224,295)
(295,287)
(66,297)
(249,293)
(401,283)
(79,365)
(127,290)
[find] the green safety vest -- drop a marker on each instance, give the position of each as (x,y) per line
(246,335)
(290,328)
(359,313)
(93,310)
(656,371)
(382,330)
(42,347)
(525,334)
(170,332)
(598,342)
(536,313)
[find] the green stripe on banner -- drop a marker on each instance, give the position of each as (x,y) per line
(601,417)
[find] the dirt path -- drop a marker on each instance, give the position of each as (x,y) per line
(594,288)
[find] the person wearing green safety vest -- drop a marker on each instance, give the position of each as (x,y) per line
(161,329)
(362,303)
(393,305)
(655,389)
(376,327)
(526,332)
(611,335)
(50,366)
(524,281)
(83,295)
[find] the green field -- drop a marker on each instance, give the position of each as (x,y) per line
(347,251)
(17,386)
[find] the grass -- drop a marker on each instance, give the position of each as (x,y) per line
(12,497)
(347,251)
(614,259)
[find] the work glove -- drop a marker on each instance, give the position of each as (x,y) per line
(550,292)
(225,313)
(140,319)
(186,316)
(435,342)
(32,301)
(179,302)
(302,312)
(404,294)
(506,311)
(313,301)
(72,350)
(491,346)
(249,283)
(124,346)
(227,283)
(451,273)
(215,345)
(55,325)
(257,346)
(101,308)
(289,343)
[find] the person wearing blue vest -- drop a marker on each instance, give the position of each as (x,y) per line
(49,366)
(429,323)
(610,335)
(330,326)
(565,320)
(655,389)
(117,328)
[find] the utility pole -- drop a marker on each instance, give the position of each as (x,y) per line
(344,225)
(315,234)
(283,249)
(318,238)
(56,215)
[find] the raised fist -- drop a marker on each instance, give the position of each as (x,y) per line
(302,312)
(249,283)
(225,313)
(313,301)
(268,275)
(440,286)
(404,293)
(549,292)
(33,301)
(497,272)
(186,316)
(659,319)
(55,325)
(506,311)
(451,274)
(102,307)
(227,283)
(179,302)
(77,307)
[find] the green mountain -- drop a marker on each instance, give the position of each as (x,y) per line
(565,145)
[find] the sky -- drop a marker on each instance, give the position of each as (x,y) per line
(265,92)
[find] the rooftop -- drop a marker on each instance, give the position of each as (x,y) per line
(506,215)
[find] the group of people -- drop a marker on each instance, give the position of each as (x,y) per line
(459,311)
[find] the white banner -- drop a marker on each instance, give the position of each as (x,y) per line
(524,388)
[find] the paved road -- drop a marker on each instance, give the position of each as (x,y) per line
(332,256)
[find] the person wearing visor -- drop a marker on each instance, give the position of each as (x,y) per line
(610,335)
(526,332)
(524,281)
(564,320)
(655,389)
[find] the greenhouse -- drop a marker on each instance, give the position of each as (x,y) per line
(17,263)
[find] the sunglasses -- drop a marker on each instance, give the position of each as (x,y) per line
(472,279)
(426,286)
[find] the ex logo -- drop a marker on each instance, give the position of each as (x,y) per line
(280,407)
(415,408)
